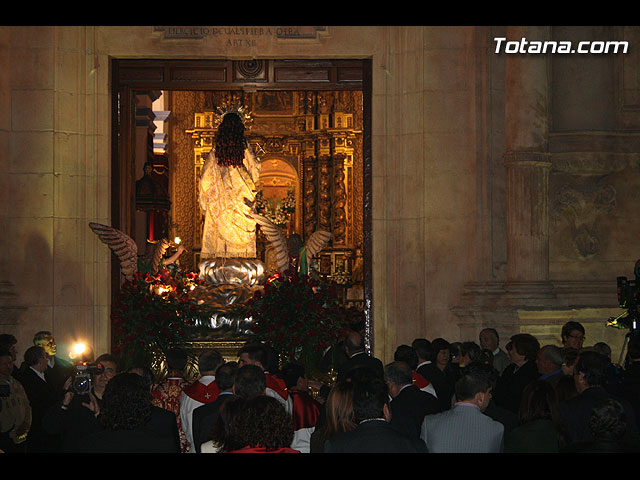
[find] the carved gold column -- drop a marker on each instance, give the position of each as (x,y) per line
(527,167)
(339,202)
(343,189)
(309,192)
(324,192)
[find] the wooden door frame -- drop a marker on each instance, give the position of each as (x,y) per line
(130,75)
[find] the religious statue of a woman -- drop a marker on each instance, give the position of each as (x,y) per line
(227,190)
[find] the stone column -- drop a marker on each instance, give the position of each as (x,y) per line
(527,166)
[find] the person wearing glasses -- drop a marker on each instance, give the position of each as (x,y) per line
(573,335)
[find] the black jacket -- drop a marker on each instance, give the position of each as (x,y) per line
(409,408)
(374,436)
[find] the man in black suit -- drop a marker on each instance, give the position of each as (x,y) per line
(589,375)
(409,404)
(41,396)
(374,433)
(358,358)
(205,416)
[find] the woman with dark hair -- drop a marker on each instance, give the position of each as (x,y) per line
(126,403)
(538,429)
(227,189)
(125,416)
(523,350)
(260,425)
(469,352)
(338,416)
(220,439)
(442,352)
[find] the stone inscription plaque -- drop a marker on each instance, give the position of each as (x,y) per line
(240,36)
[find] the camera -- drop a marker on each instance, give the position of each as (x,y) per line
(628,294)
(628,298)
(81,383)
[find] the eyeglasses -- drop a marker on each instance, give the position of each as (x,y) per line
(579,337)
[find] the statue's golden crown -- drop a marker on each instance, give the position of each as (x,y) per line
(232,107)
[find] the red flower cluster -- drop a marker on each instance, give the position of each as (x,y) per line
(298,315)
(151,312)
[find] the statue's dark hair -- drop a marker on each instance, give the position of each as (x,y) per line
(230,142)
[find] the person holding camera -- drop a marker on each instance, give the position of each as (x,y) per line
(76,415)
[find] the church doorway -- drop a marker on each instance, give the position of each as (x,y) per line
(311,129)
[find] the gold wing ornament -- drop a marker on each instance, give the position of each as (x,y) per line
(316,242)
(276,238)
(126,249)
(157,254)
(121,244)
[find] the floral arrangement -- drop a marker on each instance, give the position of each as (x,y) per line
(278,211)
(298,315)
(151,312)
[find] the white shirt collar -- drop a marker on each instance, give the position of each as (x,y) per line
(207,379)
(39,373)
(405,386)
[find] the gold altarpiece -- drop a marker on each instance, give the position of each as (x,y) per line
(308,143)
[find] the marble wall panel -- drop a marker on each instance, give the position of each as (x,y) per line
(68,112)
(32,110)
(30,152)
(31,195)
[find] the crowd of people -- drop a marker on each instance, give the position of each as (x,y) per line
(435,396)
